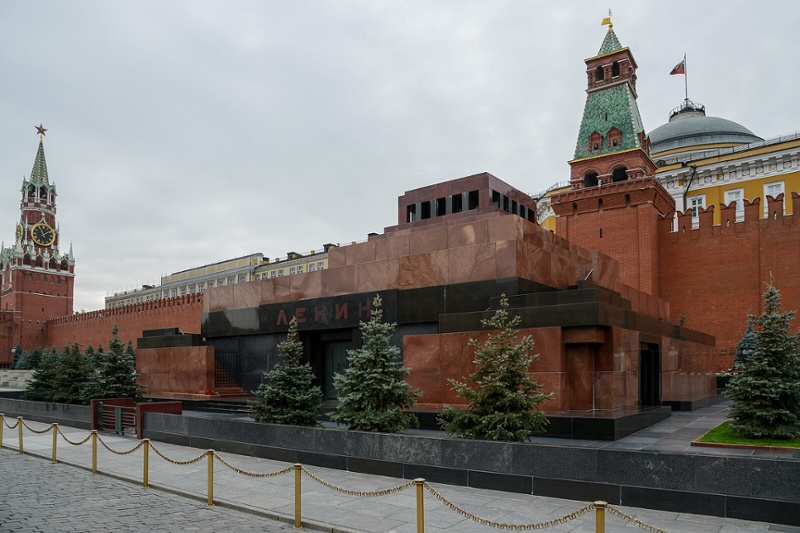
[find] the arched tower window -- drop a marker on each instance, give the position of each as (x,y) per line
(595,141)
(615,69)
(590,179)
(64,265)
(39,262)
(619,174)
(598,74)
(31,192)
(43,192)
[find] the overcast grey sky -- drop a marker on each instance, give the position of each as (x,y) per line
(182,133)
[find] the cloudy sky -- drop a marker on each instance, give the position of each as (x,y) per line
(188,132)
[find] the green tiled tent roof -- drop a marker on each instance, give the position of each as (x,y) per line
(614,107)
(39,170)
(610,43)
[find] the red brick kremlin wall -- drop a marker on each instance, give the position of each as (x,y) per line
(94,328)
(715,275)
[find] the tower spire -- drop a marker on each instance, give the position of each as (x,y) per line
(39,171)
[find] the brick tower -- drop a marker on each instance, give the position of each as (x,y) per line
(36,279)
(614,202)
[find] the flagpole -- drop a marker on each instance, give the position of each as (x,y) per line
(685,77)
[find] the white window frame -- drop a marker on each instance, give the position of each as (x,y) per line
(769,189)
(736,195)
(696,201)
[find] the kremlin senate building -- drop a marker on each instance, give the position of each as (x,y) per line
(634,278)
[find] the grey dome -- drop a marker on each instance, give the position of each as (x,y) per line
(689,126)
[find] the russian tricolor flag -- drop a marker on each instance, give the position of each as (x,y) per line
(680,68)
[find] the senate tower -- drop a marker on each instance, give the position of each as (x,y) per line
(36,276)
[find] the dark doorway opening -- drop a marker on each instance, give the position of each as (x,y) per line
(649,375)
(334,360)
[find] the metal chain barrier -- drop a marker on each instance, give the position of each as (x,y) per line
(45,430)
(107,447)
(251,474)
(299,469)
(633,520)
(173,461)
(84,441)
(501,525)
(363,493)
(10,426)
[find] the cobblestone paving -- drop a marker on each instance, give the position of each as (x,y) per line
(38,496)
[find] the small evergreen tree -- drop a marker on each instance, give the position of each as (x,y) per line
(115,376)
(766,392)
(746,346)
(42,385)
(287,394)
(503,400)
(30,360)
(373,391)
(73,375)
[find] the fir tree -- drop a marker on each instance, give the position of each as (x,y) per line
(372,391)
(115,375)
(73,375)
(43,384)
(288,394)
(30,360)
(503,400)
(766,392)
(746,346)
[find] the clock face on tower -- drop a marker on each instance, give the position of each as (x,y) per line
(42,234)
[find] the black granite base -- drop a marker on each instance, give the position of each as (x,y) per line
(691,405)
(603,424)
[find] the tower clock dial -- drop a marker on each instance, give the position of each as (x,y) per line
(42,234)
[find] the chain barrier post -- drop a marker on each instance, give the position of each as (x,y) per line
(19,425)
(600,516)
(420,482)
(55,441)
(210,455)
(94,451)
(2,423)
(146,467)
(298,471)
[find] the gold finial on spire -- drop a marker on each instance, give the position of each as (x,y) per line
(607,21)
(40,130)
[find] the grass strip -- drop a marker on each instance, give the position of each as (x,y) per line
(723,434)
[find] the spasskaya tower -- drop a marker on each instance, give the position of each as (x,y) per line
(36,277)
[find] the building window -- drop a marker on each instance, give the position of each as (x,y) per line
(773,189)
(273,273)
(242,278)
(280,273)
(292,270)
(320,266)
(736,196)
(695,203)
(231,280)
(183,291)
(210,283)
(312,267)
(300,269)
